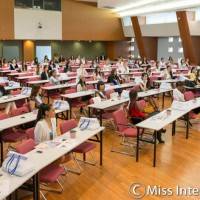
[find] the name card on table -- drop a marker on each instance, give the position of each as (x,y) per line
(88,123)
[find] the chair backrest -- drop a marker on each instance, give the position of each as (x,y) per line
(120,120)
(189,95)
(90,87)
(108,93)
(142,104)
(3,116)
(19,111)
(66,126)
(70,91)
(30,133)
(15,92)
(25,146)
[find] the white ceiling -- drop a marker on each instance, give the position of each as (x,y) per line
(143,7)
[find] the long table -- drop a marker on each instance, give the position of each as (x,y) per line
(21,119)
(161,120)
(103,105)
(49,155)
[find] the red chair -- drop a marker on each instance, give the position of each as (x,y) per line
(30,133)
(85,147)
(190,96)
(10,135)
(49,174)
(19,111)
(124,129)
(52,94)
(76,103)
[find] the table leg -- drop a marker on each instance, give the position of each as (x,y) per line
(163,100)
(187,125)
(70,109)
(36,189)
(173,128)
(154,156)
(101,148)
(138,145)
(48,96)
(1,152)
(89,114)
(100,118)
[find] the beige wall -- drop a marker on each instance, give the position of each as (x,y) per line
(83,21)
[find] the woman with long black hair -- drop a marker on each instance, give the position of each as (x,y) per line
(45,128)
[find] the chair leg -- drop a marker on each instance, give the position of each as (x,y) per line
(122,152)
(93,162)
(74,171)
(41,193)
(52,189)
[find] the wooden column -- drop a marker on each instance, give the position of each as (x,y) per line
(28,50)
(185,36)
(138,37)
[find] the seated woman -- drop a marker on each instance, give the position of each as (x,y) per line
(137,114)
(97,74)
(198,77)
(8,106)
(81,85)
(178,95)
(192,74)
(36,98)
(144,86)
(14,65)
(45,128)
(54,78)
(100,92)
(145,83)
(168,73)
(114,78)
(44,75)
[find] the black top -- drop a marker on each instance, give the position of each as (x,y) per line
(44,76)
(12,67)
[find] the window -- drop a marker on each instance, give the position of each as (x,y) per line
(179,39)
(23,3)
(52,5)
(39,4)
(180,50)
(197,14)
(170,49)
(127,21)
(161,18)
(132,48)
(170,39)
(42,51)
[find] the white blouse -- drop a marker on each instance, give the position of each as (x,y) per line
(177,95)
(42,131)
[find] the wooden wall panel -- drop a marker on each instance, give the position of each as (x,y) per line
(6,19)
(185,36)
(28,50)
(83,21)
(138,37)
(117,49)
(151,47)
(196,45)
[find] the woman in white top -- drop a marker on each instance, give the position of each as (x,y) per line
(81,71)
(36,98)
(54,78)
(46,124)
(178,92)
(81,86)
(97,74)
(168,73)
